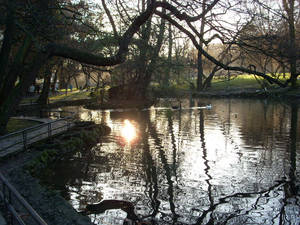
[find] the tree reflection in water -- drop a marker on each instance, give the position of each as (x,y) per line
(228,165)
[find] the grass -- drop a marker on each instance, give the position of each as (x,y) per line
(236,82)
(29,100)
(74,95)
(243,81)
(19,124)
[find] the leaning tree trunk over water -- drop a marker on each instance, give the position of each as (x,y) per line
(136,89)
(9,103)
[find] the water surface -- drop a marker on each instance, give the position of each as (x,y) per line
(235,163)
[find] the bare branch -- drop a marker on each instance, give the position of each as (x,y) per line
(99,60)
(214,60)
(111,20)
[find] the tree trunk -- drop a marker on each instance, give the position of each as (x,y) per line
(199,72)
(55,79)
(76,83)
(208,80)
(199,59)
(15,70)
(146,71)
(166,78)
(43,98)
(10,104)
(293,56)
(6,45)
(289,7)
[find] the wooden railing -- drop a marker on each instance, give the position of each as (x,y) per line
(21,139)
(17,209)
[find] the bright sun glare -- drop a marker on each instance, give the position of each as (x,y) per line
(128,131)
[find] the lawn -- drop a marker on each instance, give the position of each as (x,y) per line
(61,96)
(74,95)
(20,124)
(241,81)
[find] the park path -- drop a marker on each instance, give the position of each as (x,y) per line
(2,220)
(15,142)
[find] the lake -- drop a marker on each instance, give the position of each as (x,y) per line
(233,163)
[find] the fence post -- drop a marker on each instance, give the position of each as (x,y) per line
(11,219)
(68,124)
(49,129)
(24,133)
(4,199)
(12,198)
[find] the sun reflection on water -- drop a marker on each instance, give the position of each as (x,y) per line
(128,131)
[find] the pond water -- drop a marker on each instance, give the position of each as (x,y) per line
(232,164)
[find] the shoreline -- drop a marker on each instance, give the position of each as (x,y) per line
(23,168)
(47,202)
(250,93)
(253,93)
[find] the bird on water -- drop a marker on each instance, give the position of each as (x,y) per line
(177,106)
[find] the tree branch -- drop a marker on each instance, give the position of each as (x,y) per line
(214,60)
(184,16)
(111,20)
(99,60)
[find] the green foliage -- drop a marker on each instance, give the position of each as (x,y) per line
(84,138)
(89,137)
(45,158)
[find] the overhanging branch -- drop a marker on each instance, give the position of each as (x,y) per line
(54,49)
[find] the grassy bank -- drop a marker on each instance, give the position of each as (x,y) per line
(74,95)
(20,124)
(60,96)
(244,81)
(234,84)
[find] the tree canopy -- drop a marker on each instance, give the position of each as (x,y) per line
(254,34)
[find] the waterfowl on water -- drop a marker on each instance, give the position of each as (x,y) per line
(176,106)
(208,106)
